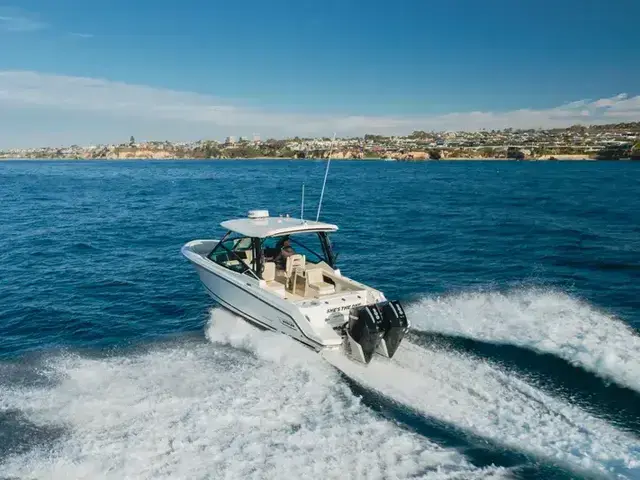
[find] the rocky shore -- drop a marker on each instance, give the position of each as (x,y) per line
(148,153)
(145,155)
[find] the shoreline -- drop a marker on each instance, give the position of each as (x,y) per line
(451,159)
(615,141)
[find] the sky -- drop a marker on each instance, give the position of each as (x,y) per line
(78,72)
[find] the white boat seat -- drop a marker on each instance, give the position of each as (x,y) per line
(315,282)
(294,262)
(248,257)
(269,276)
(294,267)
(269,272)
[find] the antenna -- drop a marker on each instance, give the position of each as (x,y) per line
(326,172)
(302,205)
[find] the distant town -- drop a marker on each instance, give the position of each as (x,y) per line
(598,142)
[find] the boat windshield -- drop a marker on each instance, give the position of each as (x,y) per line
(235,253)
(247,255)
(316,247)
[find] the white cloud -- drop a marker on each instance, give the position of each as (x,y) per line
(81,35)
(17,20)
(610,102)
(118,107)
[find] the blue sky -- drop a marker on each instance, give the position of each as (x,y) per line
(82,71)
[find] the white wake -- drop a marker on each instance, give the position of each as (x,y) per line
(475,396)
(468,393)
(545,321)
(194,410)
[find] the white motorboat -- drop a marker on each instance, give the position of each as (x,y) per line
(296,288)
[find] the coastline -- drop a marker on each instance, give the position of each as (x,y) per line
(576,143)
(185,159)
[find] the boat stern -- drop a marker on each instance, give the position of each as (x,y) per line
(365,328)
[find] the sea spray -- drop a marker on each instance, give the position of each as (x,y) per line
(195,410)
(476,396)
(543,320)
(468,393)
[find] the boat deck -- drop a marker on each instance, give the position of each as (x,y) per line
(299,290)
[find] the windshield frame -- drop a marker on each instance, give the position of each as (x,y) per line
(248,269)
(258,249)
(327,255)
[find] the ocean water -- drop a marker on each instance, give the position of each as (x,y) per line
(522,282)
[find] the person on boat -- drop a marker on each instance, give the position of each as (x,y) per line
(286,250)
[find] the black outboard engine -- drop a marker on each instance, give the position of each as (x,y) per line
(395,325)
(364,332)
(376,328)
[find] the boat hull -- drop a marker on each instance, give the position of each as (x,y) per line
(371,329)
(250,303)
(243,295)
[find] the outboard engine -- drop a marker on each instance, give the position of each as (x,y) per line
(364,332)
(376,328)
(395,325)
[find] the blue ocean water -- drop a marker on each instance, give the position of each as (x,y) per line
(522,281)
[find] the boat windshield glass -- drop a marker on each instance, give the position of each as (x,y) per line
(234,253)
(316,247)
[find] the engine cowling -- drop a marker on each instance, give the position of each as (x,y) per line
(376,328)
(364,332)
(395,325)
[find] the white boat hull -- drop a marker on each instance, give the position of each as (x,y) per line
(307,321)
(243,295)
(249,304)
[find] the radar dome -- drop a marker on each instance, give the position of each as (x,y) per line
(258,213)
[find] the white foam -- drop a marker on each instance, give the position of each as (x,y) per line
(210,411)
(545,321)
(484,400)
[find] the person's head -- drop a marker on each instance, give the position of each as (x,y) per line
(283,242)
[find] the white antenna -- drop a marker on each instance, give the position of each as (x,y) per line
(302,205)
(326,172)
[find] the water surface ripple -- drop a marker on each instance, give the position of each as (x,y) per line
(522,281)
